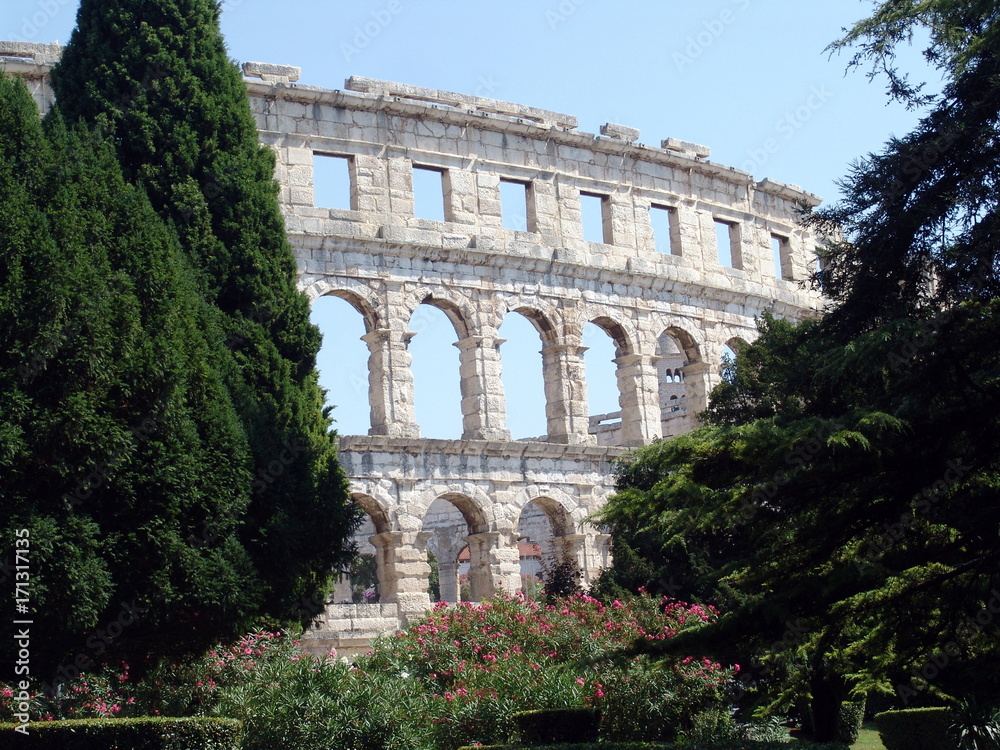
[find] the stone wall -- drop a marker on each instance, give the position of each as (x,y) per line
(668,302)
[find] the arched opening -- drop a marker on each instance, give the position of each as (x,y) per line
(342,361)
(605,341)
(727,363)
(675,349)
(525,333)
(362,581)
(446,524)
(437,394)
(541,532)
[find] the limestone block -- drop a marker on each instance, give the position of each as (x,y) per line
(271,72)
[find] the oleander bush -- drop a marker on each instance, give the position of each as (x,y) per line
(456,677)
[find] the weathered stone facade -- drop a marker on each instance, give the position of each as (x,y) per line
(670,312)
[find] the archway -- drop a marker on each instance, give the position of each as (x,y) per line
(523,329)
(342,360)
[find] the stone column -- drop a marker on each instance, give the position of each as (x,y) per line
(484,415)
(699,380)
(639,386)
(390,383)
(403,572)
(495,563)
(566,394)
(448,581)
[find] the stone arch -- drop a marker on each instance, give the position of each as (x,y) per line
(676,351)
(471,501)
(378,514)
(541,319)
(560,508)
(620,333)
(360,295)
(458,309)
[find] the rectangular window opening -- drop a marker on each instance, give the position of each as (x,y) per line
(428,193)
(332,181)
(666,230)
(781,251)
(594,214)
(514,205)
(727,240)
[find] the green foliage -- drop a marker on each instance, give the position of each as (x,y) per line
(852,716)
(841,505)
(137,734)
(560,725)
(561,578)
(976,724)
(481,664)
(119,441)
(156,79)
(916,729)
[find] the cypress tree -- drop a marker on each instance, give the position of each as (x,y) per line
(155,76)
(119,442)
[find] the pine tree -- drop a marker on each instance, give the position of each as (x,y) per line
(155,76)
(857,458)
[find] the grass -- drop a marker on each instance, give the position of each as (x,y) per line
(868,739)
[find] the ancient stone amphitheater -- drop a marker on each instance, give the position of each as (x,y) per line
(728,247)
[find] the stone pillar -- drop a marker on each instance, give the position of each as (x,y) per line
(484,414)
(566,394)
(639,386)
(699,380)
(448,581)
(390,383)
(495,563)
(403,572)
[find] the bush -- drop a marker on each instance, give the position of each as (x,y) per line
(916,729)
(558,725)
(146,733)
(852,716)
(482,663)
(578,746)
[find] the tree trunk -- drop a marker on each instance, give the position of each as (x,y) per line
(828,692)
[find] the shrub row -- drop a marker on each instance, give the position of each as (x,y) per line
(147,733)
(916,729)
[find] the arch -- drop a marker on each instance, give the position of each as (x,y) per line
(457,308)
(360,295)
(526,399)
(560,520)
(617,332)
(372,508)
(471,501)
(541,321)
(686,343)
(559,506)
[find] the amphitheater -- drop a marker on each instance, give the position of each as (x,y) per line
(691,252)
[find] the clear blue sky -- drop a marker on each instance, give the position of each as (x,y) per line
(748,78)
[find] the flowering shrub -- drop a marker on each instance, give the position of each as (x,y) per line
(481,663)
(454,678)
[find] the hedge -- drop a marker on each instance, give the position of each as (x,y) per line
(145,733)
(577,746)
(558,725)
(916,729)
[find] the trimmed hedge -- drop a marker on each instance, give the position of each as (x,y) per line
(144,733)
(852,716)
(916,729)
(558,725)
(577,746)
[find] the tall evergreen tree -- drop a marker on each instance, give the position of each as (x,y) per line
(857,459)
(119,442)
(155,76)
